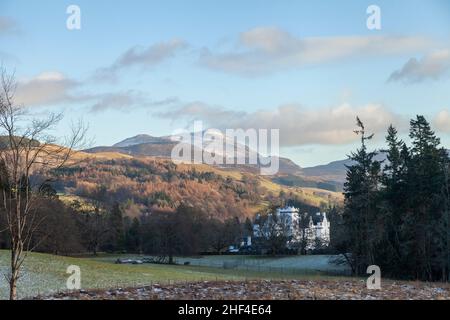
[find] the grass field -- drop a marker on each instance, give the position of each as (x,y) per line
(281,264)
(45,274)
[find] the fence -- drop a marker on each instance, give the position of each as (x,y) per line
(253,265)
(316,266)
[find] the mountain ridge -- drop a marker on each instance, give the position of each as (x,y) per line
(147,145)
(330,176)
(138,139)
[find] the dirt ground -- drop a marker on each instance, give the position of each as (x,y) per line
(269,290)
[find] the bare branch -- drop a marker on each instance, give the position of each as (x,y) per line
(27,148)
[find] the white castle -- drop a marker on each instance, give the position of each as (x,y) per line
(297,227)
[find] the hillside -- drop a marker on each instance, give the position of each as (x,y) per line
(139,139)
(146,145)
(336,170)
(289,174)
(333,171)
(143,184)
(329,177)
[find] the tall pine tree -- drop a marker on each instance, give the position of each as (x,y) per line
(116,229)
(361,197)
(424,239)
(393,204)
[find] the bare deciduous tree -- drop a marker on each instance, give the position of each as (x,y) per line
(275,231)
(27,151)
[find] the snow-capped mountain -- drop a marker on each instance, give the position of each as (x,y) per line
(139,139)
(146,145)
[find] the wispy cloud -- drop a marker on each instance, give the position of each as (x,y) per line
(45,89)
(126,101)
(442,121)
(432,66)
(298,125)
(142,57)
(52,88)
(269,49)
(8,26)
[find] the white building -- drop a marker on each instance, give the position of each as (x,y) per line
(318,230)
(309,229)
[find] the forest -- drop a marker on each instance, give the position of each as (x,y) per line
(396,212)
(143,184)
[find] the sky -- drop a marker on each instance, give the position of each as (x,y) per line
(307,68)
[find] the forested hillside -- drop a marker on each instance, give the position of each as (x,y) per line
(145,184)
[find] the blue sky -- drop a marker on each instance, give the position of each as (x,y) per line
(306,67)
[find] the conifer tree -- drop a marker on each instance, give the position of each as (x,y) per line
(393,204)
(116,228)
(361,193)
(424,236)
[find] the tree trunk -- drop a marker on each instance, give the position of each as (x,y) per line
(16,251)
(13,289)
(14,277)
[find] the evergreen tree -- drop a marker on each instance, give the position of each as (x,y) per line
(424,239)
(361,196)
(398,217)
(133,236)
(116,229)
(445,226)
(394,204)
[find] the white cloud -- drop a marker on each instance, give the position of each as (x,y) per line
(51,88)
(46,88)
(8,25)
(298,125)
(143,57)
(269,49)
(442,121)
(126,101)
(432,66)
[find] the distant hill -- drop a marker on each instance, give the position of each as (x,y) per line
(336,170)
(308,182)
(146,145)
(141,139)
(5,142)
(143,184)
(330,176)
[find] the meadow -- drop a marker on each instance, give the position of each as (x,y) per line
(45,274)
(310,264)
